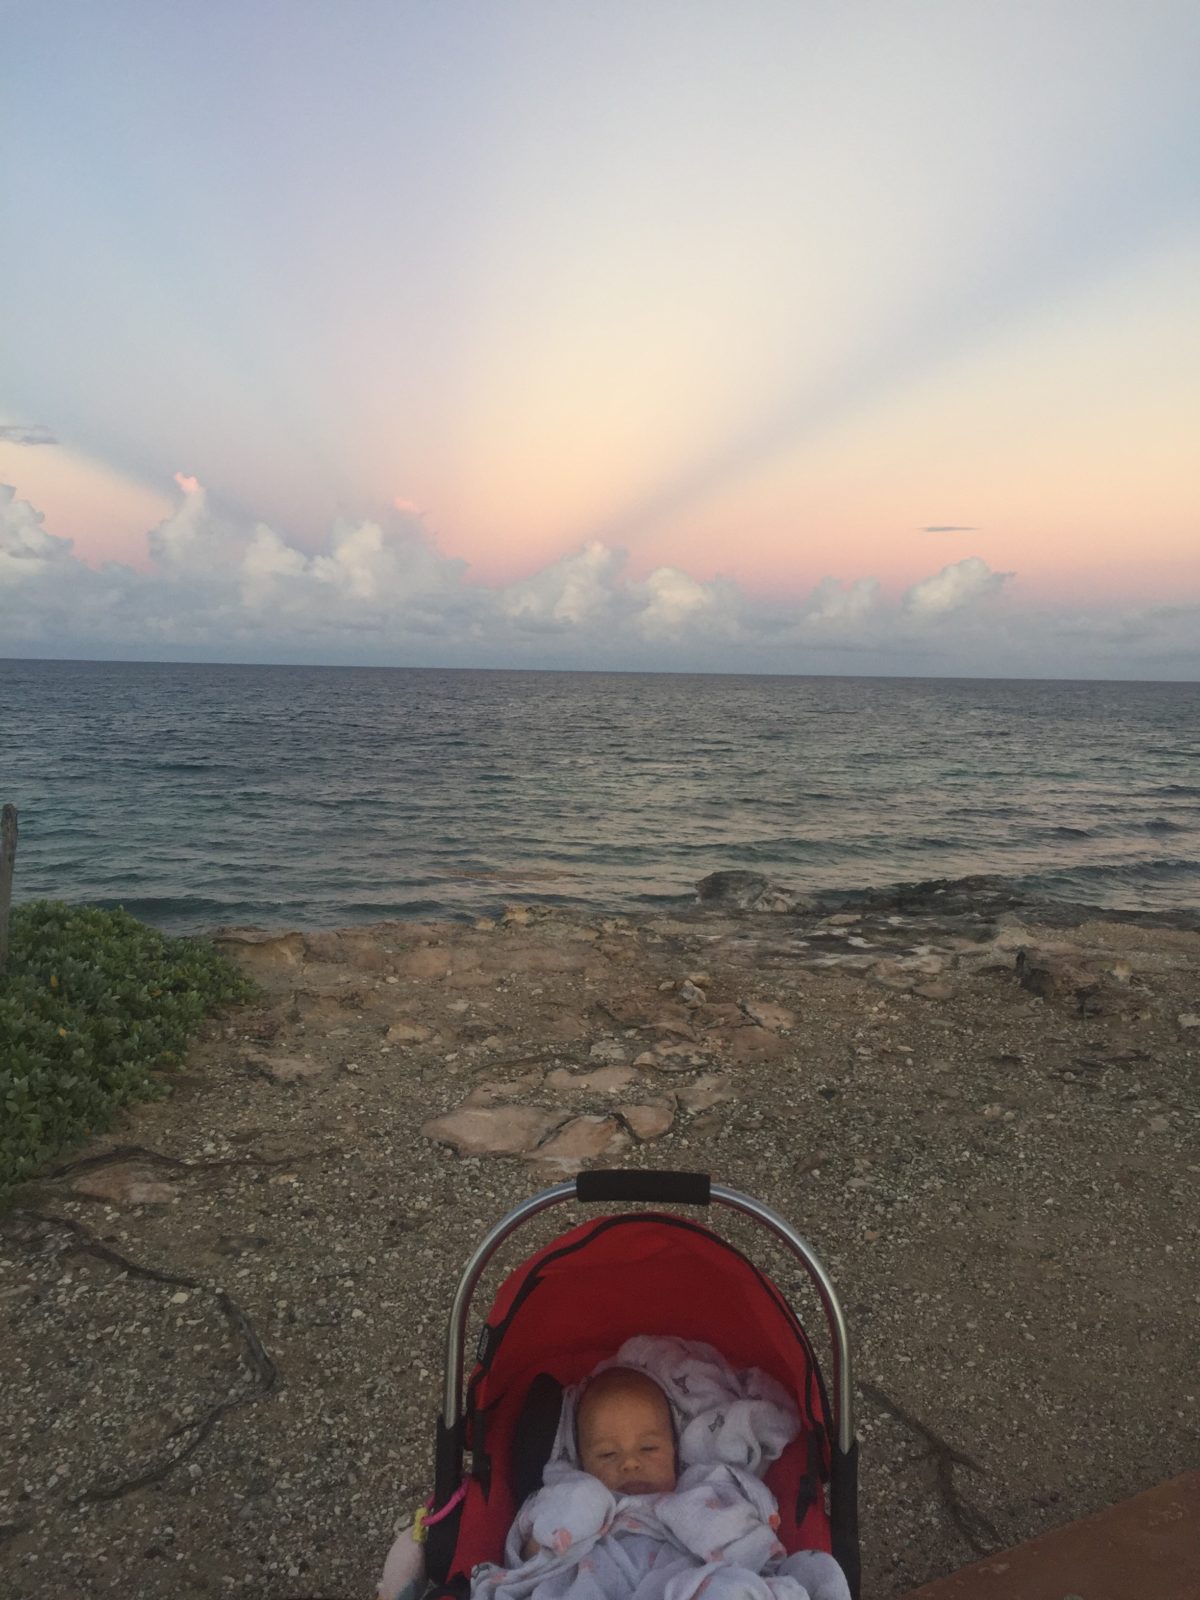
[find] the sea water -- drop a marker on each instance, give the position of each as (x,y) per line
(200,795)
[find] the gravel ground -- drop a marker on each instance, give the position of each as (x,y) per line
(222,1350)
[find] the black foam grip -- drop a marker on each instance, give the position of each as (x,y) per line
(661,1188)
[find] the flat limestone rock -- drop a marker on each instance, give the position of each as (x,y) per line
(258,951)
(492,1130)
(770,1015)
(650,1120)
(581,1140)
(710,1089)
(935,991)
(892,975)
(751,1044)
(125,1186)
(611,1051)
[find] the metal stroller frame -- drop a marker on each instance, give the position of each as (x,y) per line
(670,1188)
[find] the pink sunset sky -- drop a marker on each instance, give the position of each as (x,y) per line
(510,325)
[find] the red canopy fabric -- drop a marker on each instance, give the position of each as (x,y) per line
(573,1303)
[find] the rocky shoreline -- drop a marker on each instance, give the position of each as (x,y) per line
(223,1321)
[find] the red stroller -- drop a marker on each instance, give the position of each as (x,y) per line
(576,1301)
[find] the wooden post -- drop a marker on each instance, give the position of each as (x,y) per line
(8,852)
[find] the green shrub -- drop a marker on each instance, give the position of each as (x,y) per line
(91,1002)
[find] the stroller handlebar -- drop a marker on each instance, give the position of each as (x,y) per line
(688,1188)
(660,1188)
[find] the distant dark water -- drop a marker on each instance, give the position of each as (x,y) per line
(195,795)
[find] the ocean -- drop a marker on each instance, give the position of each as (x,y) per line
(320,796)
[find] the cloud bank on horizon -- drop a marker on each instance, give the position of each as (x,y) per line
(381,594)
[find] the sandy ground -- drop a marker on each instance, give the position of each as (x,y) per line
(222,1348)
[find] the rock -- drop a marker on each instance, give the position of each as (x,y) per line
(1189,1019)
(581,1140)
(260,951)
(769,1015)
(935,991)
(426,961)
(749,891)
(408,1033)
(710,1089)
(646,1059)
(324,947)
(749,1044)
(501,1130)
(286,1069)
(605,1080)
(517,916)
(562,1026)
(844,919)
(673,1050)
(690,994)
(364,950)
(125,1185)
(891,975)
(650,1120)
(1060,978)
(674,1020)
(610,1050)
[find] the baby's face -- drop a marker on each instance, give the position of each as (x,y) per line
(625,1440)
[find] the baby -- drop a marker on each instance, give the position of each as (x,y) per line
(626,1434)
(628,1522)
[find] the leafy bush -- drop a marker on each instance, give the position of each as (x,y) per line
(90,1002)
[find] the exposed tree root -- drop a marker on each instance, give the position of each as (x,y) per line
(975,1526)
(261,1367)
(143,1153)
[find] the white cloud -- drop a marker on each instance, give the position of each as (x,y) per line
(26,548)
(831,601)
(958,585)
(674,602)
(572,593)
(381,592)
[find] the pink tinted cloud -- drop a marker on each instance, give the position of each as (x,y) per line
(188,484)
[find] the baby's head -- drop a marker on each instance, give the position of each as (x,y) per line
(625,1432)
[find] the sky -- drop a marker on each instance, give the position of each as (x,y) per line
(775,335)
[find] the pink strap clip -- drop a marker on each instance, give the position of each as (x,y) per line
(432,1516)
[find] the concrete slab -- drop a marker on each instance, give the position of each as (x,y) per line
(1146,1546)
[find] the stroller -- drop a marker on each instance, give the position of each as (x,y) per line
(568,1307)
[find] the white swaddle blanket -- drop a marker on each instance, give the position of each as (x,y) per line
(714,1532)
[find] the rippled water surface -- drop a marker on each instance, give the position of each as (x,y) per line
(195,795)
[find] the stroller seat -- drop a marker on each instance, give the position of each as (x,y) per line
(572,1305)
